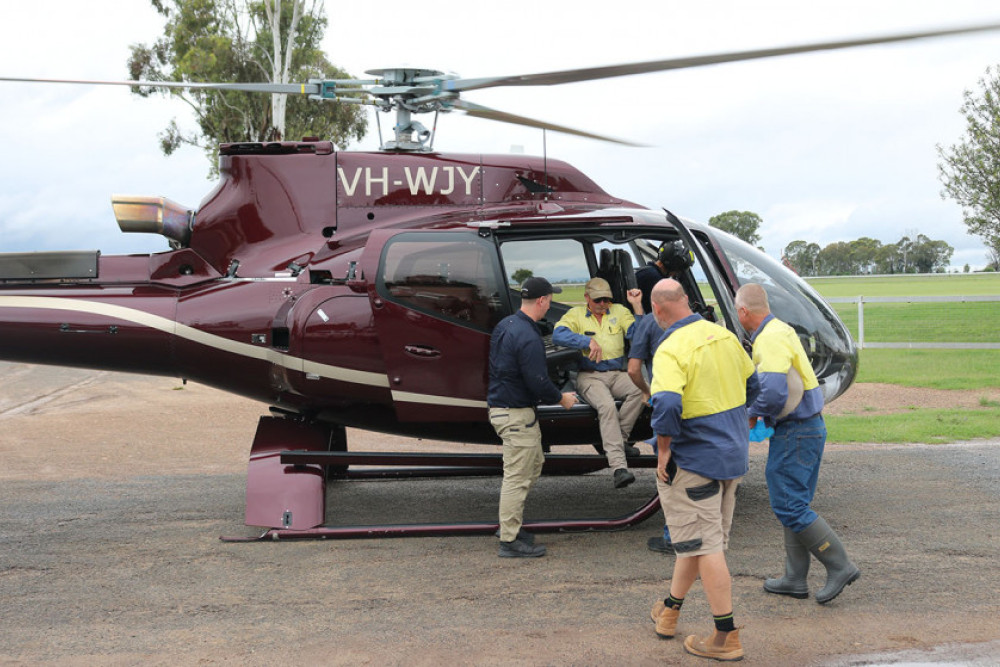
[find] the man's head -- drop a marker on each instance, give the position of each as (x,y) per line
(670,302)
(751,306)
(598,295)
(674,257)
(536,296)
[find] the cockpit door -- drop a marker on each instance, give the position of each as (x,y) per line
(723,291)
(436,297)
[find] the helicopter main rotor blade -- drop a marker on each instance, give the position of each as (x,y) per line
(286,88)
(593,73)
(480,111)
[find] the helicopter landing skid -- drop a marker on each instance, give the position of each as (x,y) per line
(637,516)
(286,489)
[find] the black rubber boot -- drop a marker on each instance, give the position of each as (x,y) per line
(823,543)
(794,582)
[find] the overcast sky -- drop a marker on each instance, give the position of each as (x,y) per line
(824,147)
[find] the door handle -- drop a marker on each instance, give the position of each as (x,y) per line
(422,351)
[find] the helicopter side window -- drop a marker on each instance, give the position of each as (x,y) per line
(456,280)
(561,261)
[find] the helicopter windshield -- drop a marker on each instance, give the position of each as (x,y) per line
(827,341)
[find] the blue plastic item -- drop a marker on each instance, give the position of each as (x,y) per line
(760,431)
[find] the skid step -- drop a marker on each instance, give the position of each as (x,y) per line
(553,462)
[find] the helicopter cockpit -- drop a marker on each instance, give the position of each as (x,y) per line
(722,263)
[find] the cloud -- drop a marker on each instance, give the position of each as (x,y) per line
(833,144)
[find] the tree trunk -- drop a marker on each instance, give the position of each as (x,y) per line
(282,60)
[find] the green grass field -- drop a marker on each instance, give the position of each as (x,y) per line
(951,322)
(917,426)
(943,284)
(936,369)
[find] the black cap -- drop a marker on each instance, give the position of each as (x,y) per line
(535,288)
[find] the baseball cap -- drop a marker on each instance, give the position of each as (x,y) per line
(537,287)
(598,288)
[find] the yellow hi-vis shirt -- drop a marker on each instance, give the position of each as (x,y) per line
(706,365)
(776,349)
(578,326)
(702,379)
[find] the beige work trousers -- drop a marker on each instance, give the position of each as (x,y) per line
(522,463)
(600,389)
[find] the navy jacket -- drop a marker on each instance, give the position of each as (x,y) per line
(519,376)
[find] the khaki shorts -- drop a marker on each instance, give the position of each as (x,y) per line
(698,511)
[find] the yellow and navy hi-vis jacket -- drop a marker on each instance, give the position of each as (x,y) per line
(703,380)
(776,349)
(578,326)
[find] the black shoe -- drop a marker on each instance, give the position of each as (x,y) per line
(522,536)
(519,549)
(660,545)
(623,478)
(632,450)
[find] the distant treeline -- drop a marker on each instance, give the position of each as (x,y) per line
(867,256)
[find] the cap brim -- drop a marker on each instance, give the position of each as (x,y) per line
(556,290)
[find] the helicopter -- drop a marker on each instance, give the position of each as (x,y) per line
(359,289)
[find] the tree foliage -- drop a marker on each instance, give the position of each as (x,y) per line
(228,41)
(741,224)
(867,256)
(970,169)
(802,256)
(521,275)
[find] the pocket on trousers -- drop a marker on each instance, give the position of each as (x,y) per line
(683,531)
(807,447)
(704,491)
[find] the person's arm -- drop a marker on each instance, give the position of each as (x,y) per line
(567,333)
(771,391)
(663,455)
(666,422)
(635,373)
(634,297)
(535,371)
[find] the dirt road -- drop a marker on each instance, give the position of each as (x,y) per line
(116,488)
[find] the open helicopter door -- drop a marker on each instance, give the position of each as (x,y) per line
(435,296)
(722,288)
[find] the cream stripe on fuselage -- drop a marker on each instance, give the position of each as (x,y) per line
(221,343)
(195,335)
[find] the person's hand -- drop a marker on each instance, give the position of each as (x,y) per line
(753,422)
(634,297)
(661,465)
(663,454)
(596,353)
(568,400)
(646,398)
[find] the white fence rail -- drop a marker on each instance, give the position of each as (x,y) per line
(958,323)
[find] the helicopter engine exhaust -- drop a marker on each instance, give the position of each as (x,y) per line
(154,215)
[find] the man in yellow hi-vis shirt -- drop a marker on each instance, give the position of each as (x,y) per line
(795,450)
(703,380)
(599,331)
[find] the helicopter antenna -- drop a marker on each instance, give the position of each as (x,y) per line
(434,129)
(378,122)
(545,161)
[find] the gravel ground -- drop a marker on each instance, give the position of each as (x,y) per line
(116,488)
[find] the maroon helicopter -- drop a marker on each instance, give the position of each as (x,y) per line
(350,289)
